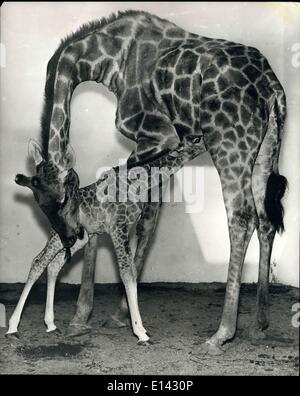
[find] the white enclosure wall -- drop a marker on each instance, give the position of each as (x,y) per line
(191,247)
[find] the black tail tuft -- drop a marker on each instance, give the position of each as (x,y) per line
(276,187)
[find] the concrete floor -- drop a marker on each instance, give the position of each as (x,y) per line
(178,317)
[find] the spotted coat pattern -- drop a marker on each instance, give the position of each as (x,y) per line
(169,84)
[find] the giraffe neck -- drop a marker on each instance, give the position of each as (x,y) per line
(96,56)
(105,52)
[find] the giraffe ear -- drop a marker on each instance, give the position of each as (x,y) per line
(35,151)
(69,158)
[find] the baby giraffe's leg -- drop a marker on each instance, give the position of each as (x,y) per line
(52,272)
(127,268)
(40,262)
(145,231)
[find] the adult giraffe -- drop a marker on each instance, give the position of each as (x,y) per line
(170,83)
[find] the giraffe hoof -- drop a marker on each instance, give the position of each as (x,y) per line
(145,343)
(55,331)
(13,336)
(209,348)
(78,330)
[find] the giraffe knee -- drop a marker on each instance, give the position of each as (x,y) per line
(245,219)
(265,230)
(128,273)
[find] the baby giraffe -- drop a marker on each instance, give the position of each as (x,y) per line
(98,209)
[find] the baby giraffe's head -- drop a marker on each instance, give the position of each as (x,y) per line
(55,189)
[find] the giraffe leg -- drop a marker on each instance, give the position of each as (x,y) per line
(78,325)
(145,231)
(53,270)
(241,223)
(266,234)
(40,262)
(128,275)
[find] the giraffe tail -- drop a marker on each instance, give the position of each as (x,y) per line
(276,184)
(276,187)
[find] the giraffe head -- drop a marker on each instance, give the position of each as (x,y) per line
(55,189)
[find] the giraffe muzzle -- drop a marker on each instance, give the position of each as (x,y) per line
(22,180)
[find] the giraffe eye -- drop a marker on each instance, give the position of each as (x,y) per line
(197,140)
(35,181)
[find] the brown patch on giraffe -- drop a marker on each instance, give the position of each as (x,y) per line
(233,186)
(175,33)
(231,109)
(111,45)
(233,158)
(164,78)
(147,100)
(120,28)
(131,67)
(58,118)
(215,137)
(187,63)
(236,50)
(52,133)
(242,146)
(222,83)
(148,33)
(184,111)
(130,103)
(66,67)
(228,145)
(263,87)
(222,121)
(182,130)
(239,61)
(205,117)
(211,104)
(251,142)
(208,89)
(105,68)
(236,170)
(76,50)
(232,93)
(54,144)
(245,115)
(93,51)
(182,87)
(236,77)
(85,71)
(97,72)
(196,88)
(60,91)
(212,72)
(165,43)
(223,162)
(146,60)
(230,135)
(62,146)
(155,123)
(170,59)
(168,101)
(134,122)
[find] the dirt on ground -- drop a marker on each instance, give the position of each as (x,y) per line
(179,317)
